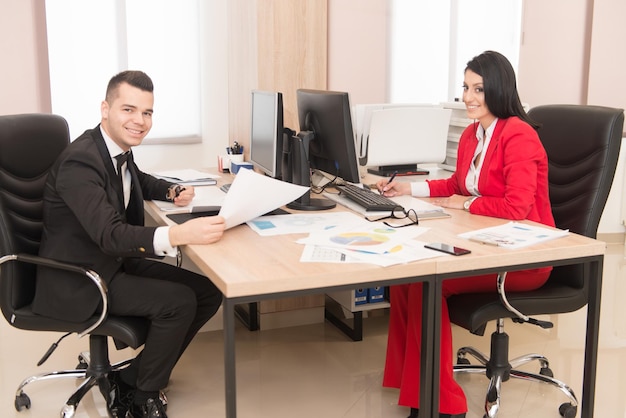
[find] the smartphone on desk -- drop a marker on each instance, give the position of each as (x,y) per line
(446,248)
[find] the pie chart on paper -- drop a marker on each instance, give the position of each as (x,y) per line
(364,239)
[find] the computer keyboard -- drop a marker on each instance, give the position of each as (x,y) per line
(371,201)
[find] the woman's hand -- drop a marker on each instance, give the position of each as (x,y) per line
(455,201)
(393,188)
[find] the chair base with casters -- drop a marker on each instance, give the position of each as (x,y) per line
(93,367)
(498,369)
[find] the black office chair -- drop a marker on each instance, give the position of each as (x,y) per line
(582,143)
(29,144)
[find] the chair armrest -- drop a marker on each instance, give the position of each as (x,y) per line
(92,275)
(520,316)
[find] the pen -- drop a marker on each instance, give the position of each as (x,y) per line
(178,191)
(486,242)
(393,176)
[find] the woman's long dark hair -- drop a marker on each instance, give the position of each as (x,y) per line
(499,85)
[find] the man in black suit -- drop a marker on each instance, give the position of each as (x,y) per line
(94,218)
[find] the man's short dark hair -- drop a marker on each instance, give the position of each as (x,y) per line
(137,79)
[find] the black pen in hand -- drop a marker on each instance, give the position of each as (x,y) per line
(393,176)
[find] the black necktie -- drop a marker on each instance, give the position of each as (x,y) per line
(121,159)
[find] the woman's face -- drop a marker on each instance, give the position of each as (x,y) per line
(474,99)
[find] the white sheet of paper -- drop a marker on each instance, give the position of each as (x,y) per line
(406,252)
(300,223)
(252,195)
(514,235)
(374,237)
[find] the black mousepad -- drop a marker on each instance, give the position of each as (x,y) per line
(179,218)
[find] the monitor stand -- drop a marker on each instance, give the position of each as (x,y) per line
(402,170)
(301,174)
(305,202)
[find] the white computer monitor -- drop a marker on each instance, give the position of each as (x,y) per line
(400,138)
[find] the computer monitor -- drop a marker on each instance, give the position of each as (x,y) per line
(362,118)
(325,143)
(400,138)
(266,133)
(327,115)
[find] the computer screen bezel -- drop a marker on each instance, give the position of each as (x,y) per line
(327,114)
(273,168)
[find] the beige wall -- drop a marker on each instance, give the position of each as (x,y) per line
(608,54)
(357,52)
(554,52)
(24,80)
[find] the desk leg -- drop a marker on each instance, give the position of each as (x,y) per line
(429,376)
(592,338)
(230,382)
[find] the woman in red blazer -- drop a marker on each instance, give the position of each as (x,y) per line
(501,171)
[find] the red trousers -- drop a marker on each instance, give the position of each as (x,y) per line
(402,365)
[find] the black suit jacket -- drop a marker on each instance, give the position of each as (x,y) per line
(85,223)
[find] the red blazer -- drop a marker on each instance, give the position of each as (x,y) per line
(513,182)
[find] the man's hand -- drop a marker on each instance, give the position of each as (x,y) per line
(185,197)
(204,230)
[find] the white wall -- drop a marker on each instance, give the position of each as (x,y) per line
(215,136)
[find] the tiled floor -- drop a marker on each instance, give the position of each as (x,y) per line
(315,371)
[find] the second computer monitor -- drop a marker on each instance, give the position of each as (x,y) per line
(400,138)
(327,115)
(266,133)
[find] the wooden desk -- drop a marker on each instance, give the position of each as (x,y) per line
(247,267)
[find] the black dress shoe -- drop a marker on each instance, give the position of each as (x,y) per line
(152,408)
(120,396)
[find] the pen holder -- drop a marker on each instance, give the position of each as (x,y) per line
(224,161)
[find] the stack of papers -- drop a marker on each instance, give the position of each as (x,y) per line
(514,235)
(344,237)
(188,176)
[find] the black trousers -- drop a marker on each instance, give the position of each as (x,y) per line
(177,302)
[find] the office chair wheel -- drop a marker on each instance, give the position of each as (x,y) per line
(68,411)
(568,410)
(546,371)
(83,361)
(462,360)
(22,401)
